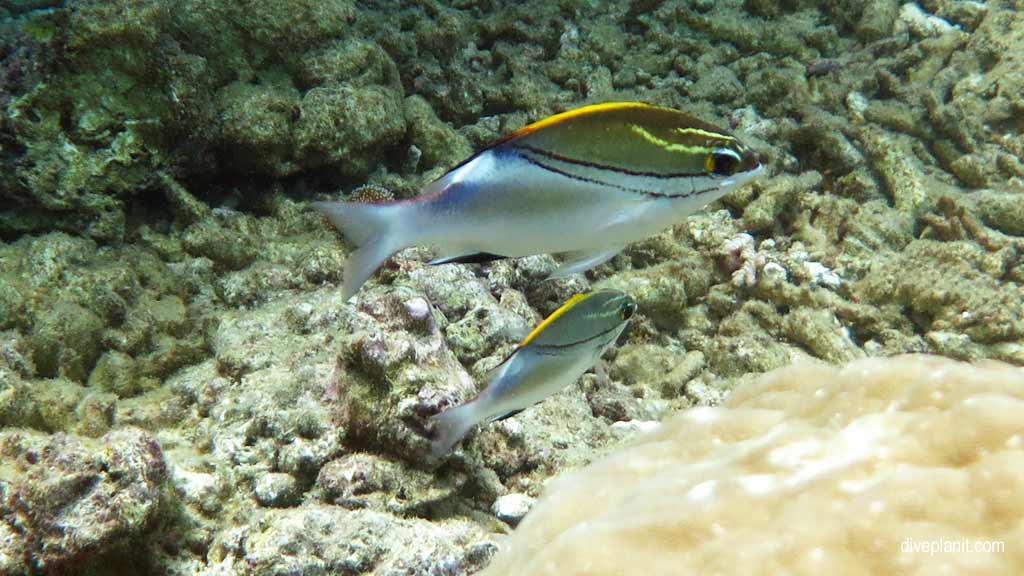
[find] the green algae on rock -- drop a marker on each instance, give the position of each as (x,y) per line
(75,303)
(69,501)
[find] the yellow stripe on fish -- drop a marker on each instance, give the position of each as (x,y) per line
(583,183)
(554,316)
(702,150)
(570,114)
(564,346)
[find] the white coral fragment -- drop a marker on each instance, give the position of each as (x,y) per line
(809,469)
(923,24)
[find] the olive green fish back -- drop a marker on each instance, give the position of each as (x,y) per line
(628,137)
(584,319)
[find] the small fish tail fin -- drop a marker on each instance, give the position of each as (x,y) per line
(377,230)
(451,425)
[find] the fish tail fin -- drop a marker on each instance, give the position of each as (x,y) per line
(377,230)
(451,425)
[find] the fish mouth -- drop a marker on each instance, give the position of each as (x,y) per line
(742,178)
(751,161)
(755,173)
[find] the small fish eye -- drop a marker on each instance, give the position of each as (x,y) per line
(723,162)
(628,309)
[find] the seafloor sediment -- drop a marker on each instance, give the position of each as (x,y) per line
(182,388)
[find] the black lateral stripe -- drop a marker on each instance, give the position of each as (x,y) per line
(579,162)
(541,348)
(640,191)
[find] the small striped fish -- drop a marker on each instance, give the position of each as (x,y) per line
(583,183)
(558,351)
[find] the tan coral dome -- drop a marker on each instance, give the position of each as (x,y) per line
(808,469)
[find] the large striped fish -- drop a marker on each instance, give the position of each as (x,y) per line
(583,183)
(554,355)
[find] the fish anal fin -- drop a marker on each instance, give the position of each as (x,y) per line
(507,415)
(470,258)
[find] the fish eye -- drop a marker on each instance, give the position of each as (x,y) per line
(722,161)
(628,309)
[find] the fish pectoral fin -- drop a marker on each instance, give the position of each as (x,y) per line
(582,260)
(469,258)
(507,415)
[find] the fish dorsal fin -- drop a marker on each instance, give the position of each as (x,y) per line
(554,316)
(569,115)
(495,372)
(498,371)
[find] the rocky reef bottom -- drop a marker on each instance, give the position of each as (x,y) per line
(911,464)
(183,389)
(907,465)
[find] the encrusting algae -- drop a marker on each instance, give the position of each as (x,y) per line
(882,466)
